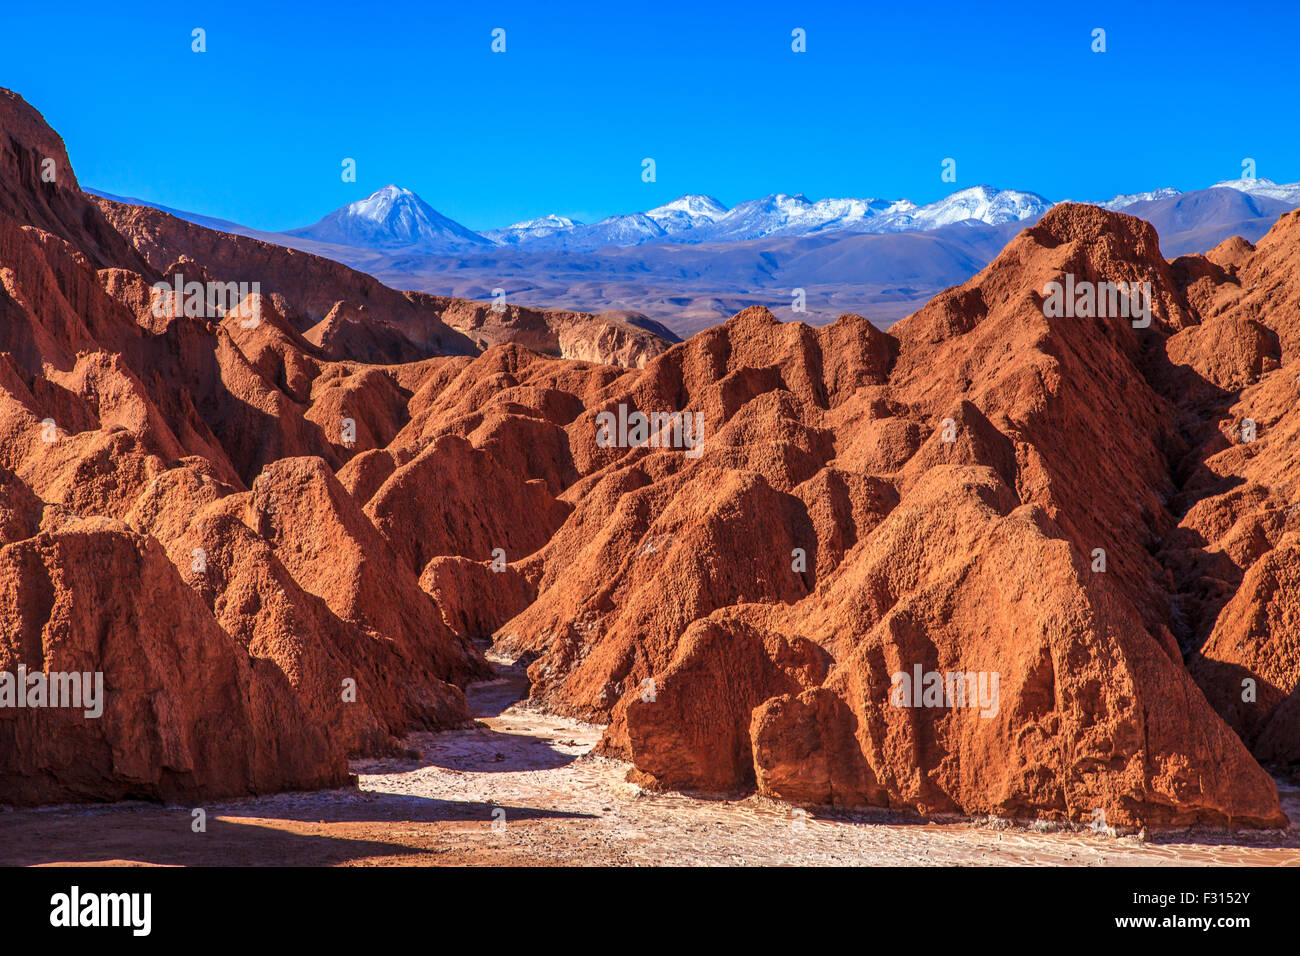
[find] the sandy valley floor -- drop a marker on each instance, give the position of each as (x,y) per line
(519,789)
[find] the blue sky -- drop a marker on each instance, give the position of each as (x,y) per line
(255,129)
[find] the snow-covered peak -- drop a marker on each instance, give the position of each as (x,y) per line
(1286,192)
(830,215)
(701,207)
(1124,200)
(531,230)
(756,218)
(549,221)
(380,202)
(391,218)
(687,212)
(984,204)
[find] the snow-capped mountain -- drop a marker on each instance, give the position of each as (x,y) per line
(784,215)
(852,214)
(1127,199)
(977,203)
(681,216)
(631,229)
(694,219)
(391,218)
(688,212)
(1286,192)
(531,229)
(755,218)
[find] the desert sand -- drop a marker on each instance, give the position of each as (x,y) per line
(563,805)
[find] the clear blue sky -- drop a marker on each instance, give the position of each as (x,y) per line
(254,130)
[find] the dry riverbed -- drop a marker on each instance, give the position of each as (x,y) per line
(521,789)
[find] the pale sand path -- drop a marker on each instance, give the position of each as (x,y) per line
(557,805)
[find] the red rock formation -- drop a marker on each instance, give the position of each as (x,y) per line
(1069,504)
(186,712)
(610,337)
(1235,558)
(248,640)
(972,555)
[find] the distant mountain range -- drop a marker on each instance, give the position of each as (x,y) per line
(394,219)
(695,219)
(693,262)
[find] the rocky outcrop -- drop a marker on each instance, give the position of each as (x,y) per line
(609,337)
(184,712)
(1235,555)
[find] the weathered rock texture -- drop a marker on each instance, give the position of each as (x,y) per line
(170,518)
(235,522)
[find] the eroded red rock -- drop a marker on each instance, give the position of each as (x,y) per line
(1093,520)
